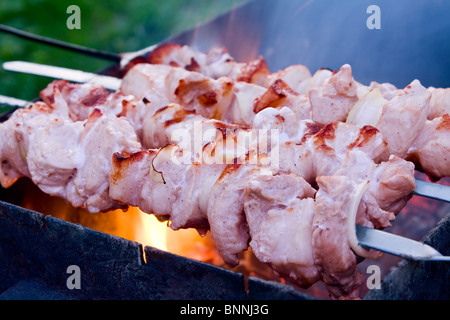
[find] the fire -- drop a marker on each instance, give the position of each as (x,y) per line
(150,232)
(132,224)
(185,242)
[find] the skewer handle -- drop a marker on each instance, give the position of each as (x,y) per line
(61,44)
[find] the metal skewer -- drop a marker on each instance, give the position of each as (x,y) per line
(122,58)
(14,102)
(397,245)
(61,44)
(432,190)
(79,76)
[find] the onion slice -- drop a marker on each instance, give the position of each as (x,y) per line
(368,109)
(351,221)
(163,155)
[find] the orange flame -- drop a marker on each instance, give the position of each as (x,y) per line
(132,224)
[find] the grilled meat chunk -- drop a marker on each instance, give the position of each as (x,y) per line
(64,158)
(279,211)
(430,150)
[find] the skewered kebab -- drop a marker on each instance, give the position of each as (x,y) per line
(413,123)
(337,96)
(333,98)
(156,130)
(216,218)
(310,171)
(412,105)
(219,199)
(214,64)
(320,94)
(162,123)
(218,62)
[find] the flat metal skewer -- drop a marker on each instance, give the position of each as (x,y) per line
(432,190)
(79,76)
(14,102)
(397,245)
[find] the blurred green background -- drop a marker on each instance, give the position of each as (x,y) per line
(108,25)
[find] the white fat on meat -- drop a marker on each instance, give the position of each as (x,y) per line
(279,212)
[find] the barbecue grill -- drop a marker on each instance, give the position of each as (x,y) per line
(36,250)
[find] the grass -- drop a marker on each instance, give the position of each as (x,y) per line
(108,25)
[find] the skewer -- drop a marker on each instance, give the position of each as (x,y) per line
(111,83)
(8,105)
(61,44)
(397,245)
(122,58)
(432,190)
